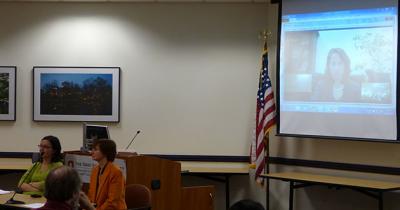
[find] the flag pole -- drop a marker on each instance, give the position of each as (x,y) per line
(264,35)
(267,170)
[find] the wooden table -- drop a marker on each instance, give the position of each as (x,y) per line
(372,188)
(20,197)
(220,172)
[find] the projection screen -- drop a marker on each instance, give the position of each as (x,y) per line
(338,69)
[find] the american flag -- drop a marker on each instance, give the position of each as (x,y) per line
(265,117)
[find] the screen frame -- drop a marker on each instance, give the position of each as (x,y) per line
(334,138)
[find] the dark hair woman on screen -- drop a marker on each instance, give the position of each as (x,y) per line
(336,85)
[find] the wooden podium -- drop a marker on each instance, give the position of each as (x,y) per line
(163,178)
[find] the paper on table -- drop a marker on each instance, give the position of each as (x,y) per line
(2,192)
(34,205)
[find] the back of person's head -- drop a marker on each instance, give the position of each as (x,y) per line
(56,146)
(62,184)
(107,147)
(247,204)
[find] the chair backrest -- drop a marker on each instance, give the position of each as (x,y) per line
(138,197)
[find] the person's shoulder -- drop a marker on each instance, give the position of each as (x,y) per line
(58,164)
(96,167)
(115,169)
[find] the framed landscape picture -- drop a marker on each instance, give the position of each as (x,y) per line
(8,84)
(89,94)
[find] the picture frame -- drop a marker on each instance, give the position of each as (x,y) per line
(8,93)
(77,94)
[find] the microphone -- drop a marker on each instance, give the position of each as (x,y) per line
(11,200)
(35,157)
(134,137)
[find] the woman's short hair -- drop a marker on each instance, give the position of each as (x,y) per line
(107,147)
(246,204)
(56,146)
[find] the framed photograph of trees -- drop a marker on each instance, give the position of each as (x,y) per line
(87,94)
(8,82)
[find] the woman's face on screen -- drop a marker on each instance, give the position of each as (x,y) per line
(336,67)
(96,154)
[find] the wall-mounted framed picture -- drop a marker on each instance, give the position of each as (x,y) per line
(8,86)
(81,94)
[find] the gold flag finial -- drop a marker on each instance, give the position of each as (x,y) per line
(264,35)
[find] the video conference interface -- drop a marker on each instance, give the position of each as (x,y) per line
(341,62)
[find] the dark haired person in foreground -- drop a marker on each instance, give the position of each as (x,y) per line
(107,183)
(32,182)
(247,205)
(63,191)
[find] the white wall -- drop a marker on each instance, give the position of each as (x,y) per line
(189,71)
(189,74)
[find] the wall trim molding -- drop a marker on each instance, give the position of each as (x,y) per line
(204,158)
(16,154)
(273,160)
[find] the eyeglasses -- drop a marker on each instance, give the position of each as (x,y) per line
(43,147)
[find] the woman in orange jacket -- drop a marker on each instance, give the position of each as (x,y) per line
(107,184)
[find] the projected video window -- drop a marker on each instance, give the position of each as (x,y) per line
(339,65)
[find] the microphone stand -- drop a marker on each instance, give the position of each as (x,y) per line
(137,133)
(11,200)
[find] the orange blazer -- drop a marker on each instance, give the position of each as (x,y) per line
(110,189)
